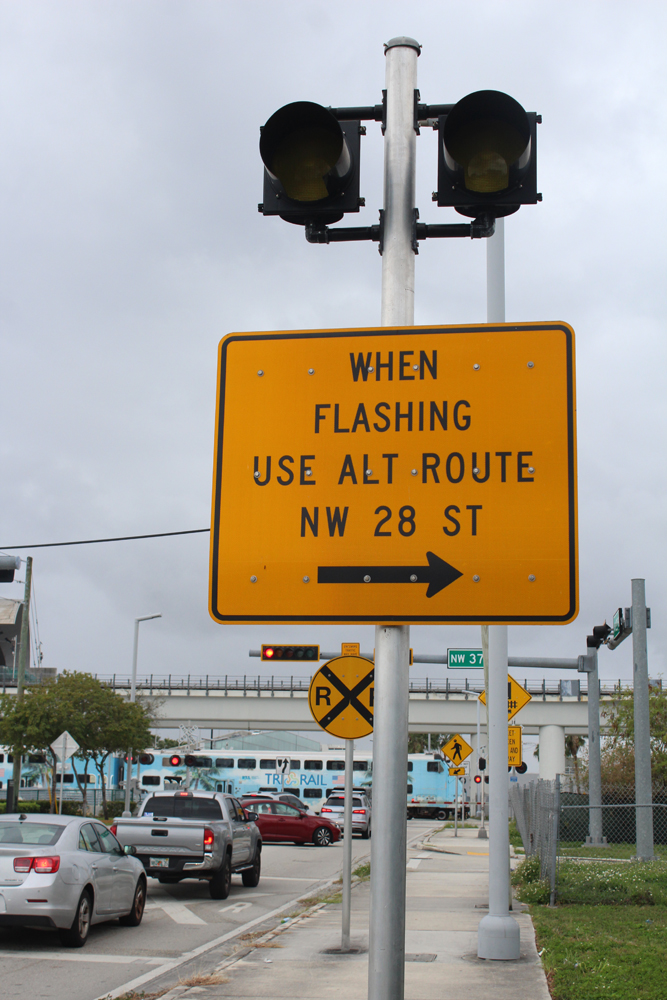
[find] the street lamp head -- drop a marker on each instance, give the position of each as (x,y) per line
(147,618)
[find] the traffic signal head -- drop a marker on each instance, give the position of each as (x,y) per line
(146,759)
(481,764)
(486,779)
(192,761)
(487,156)
(8,566)
(521,768)
(478,779)
(600,633)
(311,165)
(175,760)
(308,653)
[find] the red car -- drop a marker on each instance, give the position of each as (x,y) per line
(278,821)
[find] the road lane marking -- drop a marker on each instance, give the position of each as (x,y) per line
(478,854)
(235,908)
(413,863)
(68,956)
(178,912)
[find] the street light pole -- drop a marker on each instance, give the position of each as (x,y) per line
(386,953)
(133,696)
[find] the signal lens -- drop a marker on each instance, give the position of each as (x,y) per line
(175,761)
(268,653)
(478,779)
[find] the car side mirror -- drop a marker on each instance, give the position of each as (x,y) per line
(250,816)
(129,849)
(303,815)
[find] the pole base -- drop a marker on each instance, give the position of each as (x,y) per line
(595,842)
(482,834)
(499,938)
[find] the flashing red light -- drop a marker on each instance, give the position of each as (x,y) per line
(268,653)
(478,779)
(208,838)
(175,760)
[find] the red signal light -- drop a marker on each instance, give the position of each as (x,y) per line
(268,653)
(175,760)
(478,779)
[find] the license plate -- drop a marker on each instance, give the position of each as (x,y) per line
(159,862)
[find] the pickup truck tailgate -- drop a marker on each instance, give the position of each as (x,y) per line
(166,836)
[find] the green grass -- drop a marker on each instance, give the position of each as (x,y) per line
(615,952)
(595,883)
(363,872)
(574,849)
(515,836)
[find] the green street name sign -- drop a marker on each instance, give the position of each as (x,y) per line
(464,659)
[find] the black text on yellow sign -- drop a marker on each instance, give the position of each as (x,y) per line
(517,697)
(420,474)
(514,755)
(340,697)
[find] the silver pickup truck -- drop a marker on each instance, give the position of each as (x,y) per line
(203,835)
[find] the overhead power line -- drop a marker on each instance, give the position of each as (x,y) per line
(97,541)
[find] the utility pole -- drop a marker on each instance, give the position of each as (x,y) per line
(23,663)
(498,933)
(595,837)
(643,789)
(386,957)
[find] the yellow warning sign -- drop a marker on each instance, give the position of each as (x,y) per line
(457,749)
(340,697)
(350,649)
(514,757)
(457,772)
(517,697)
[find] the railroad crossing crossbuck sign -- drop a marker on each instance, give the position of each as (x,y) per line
(340,697)
(457,749)
(416,474)
(517,697)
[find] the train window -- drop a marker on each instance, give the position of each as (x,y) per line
(2,758)
(247,763)
(266,764)
(409,789)
(312,793)
(434,765)
(150,779)
(360,765)
(69,779)
(313,765)
(224,762)
(295,765)
(334,765)
(409,765)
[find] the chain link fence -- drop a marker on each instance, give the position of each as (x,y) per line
(568,863)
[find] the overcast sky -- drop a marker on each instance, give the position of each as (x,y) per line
(131,244)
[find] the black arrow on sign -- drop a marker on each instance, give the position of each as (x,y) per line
(438,574)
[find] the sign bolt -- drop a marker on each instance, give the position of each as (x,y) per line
(415,368)
(476,367)
(311,371)
(306,579)
(367,579)
(370,368)
(475,578)
(531,468)
(369,472)
(414,472)
(260,372)
(256,475)
(475,472)
(531,364)
(532,578)
(253,579)
(413,578)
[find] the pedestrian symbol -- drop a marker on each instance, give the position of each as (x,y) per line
(457,749)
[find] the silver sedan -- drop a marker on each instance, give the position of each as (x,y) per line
(66,873)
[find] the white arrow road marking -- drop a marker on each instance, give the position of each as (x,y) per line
(235,908)
(178,912)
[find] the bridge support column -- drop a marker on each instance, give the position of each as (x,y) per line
(552,751)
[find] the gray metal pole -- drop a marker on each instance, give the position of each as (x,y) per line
(133,697)
(347,845)
(23,654)
(456,806)
(498,932)
(594,762)
(643,789)
(386,953)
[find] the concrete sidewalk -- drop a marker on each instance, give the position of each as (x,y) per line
(446,898)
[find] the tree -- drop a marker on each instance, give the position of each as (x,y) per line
(618,753)
(100,720)
(573,744)
(418,742)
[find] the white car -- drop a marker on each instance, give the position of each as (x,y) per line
(66,873)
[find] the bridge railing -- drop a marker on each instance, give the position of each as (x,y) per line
(255,684)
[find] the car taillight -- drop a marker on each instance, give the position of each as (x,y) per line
(324,809)
(359,812)
(208,838)
(44,866)
(114,829)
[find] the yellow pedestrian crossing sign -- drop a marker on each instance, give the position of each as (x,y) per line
(514,756)
(517,697)
(457,749)
(340,697)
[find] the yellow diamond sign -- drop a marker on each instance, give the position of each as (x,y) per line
(457,749)
(517,697)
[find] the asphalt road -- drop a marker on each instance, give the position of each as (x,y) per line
(179,919)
